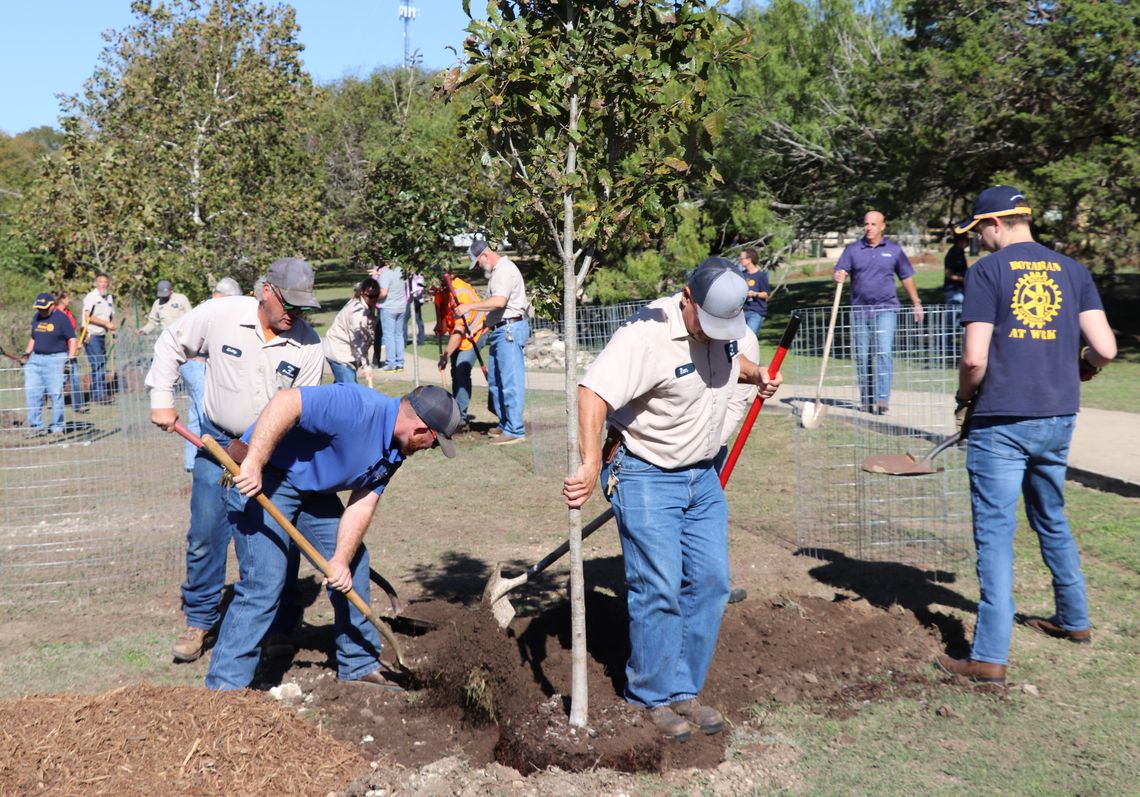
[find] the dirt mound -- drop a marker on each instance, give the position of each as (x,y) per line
(161,740)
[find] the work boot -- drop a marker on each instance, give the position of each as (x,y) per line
(278,646)
(190,645)
(381,679)
(508,439)
(1051,628)
(707,718)
(982,672)
(671,725)
(494,431)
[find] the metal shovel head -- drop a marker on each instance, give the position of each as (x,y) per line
(811,415)
(898,465)
(495,595)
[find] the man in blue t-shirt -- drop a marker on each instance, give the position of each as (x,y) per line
(309,444)
(1026,310)
(50,346)
(873,263)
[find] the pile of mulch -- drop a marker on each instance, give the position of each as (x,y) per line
(167,740)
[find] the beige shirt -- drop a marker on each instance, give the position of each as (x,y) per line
(351,334)
(163,315)
(243,370)
(743,393)
(669,391)
(506,280)
(95,305)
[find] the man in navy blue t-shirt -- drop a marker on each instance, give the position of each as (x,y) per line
(309,444)
(1026,311)
(50,346)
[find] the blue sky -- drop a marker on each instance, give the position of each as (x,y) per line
(51,46)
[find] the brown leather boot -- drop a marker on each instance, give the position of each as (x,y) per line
(671,725)
(1050,628)
(707,718)
(190,644)
(980,671)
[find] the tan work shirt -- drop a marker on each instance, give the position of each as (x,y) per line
(243,369)
(351,334)
(669,391)
(96,305)
(163,315)
(506,280)
(743,393)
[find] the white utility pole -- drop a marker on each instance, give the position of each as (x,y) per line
(407,13)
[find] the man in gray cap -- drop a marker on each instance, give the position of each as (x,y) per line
(167,308)
(664,383)
(308,445)
(508,326)
(254,347)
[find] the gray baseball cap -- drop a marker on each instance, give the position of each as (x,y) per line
(478,247)
(294,278)
(227,286)
(438,410)
(719,292)
(164,289)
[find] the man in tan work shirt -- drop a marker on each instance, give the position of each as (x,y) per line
(254,348)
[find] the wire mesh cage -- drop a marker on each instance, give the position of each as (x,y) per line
(887,389)
(100,506)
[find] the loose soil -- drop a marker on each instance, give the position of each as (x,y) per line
(487,697)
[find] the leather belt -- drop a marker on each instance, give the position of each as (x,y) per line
(504,322)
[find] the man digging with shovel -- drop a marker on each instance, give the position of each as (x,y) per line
(664,383)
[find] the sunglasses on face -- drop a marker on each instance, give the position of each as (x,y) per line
(289,308)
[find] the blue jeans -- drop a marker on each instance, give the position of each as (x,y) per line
(506,375)
(194,381)
(393,338)
(342,372)
(1008,457)
(263,550)
(462,362)
(97,359)
(415,308)
(754,321)
(43,378)
(874,329)
(74,383)
(673,526)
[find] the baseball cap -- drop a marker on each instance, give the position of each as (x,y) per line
(164,289)
(438,410)
(719,292)
(997,200)
(44,301)
(478,247)
(227,286)
(294,278)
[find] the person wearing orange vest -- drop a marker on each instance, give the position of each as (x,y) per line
(464,334)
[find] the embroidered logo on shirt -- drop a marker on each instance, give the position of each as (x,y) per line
(682,370)
(230,350)
(289,370)
(731,349)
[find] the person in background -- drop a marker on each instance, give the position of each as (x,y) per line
(414,287)
(393,303)
(756,308)
(98,325)
(51,344)
(73,384)
(352,332)
(168,307)
(465,334)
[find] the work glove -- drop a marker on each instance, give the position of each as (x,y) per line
(963,413)
(442,364)
(1088,370)
(25,357)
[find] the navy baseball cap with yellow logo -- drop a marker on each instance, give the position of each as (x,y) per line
(44,301)
(997,200)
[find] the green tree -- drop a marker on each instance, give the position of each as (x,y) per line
(186,153)
(596,112)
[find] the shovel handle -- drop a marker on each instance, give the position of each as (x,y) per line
(774,367)
(313,555)
(827,342)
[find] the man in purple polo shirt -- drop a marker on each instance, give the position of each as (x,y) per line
(873,263)
(309,444)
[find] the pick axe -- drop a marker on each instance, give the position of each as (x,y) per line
(495,592)
(307,548)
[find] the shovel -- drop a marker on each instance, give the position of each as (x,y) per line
(313,555)
(811,415)
(907,465)
(495,592)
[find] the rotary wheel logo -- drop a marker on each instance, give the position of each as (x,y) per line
(1036,300)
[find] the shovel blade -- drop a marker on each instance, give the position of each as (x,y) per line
(495,596)
(898,465)
(811,415)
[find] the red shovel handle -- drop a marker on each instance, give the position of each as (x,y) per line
(777,360)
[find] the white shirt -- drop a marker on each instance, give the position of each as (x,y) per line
(351,334)
(163,315)
(243,369)
(506,280)
(96,305)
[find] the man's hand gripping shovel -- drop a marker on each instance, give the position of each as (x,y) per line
(313,555)
(495,593)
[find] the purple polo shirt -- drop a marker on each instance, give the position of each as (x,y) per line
(873,270)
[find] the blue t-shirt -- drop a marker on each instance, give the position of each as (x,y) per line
(50,335)
(343,440)
(1034,297)
(758,282)
(873,270)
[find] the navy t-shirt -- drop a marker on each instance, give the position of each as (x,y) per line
(955,263)
(1034,297)
(52,333)
(757,281)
